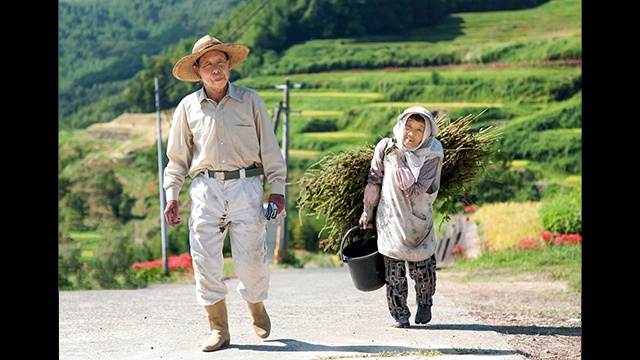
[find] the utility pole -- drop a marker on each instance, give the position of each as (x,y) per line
(281,233)
(163,223)
(276,116)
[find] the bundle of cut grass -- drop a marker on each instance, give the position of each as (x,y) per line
(334,186)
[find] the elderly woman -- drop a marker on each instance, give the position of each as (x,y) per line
(403,183)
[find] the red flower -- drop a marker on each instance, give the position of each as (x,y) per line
(560,239)
(568,239)
(546,235)
(174,261)
(528,243)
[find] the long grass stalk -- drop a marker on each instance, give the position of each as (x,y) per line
(334,186)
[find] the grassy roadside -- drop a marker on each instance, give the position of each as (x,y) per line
(563,262)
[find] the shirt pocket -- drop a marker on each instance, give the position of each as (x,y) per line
(246,136)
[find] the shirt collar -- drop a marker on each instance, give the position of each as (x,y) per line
(231,92)
(202,96)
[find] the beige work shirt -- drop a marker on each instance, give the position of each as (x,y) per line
(225,136)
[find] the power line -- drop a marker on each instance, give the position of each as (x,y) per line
(229,37)
(238,13)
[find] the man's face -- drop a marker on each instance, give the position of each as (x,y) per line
(213,68)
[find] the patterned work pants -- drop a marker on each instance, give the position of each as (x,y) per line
(423,274)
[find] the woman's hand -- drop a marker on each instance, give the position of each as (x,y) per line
(366,219)
(404,178)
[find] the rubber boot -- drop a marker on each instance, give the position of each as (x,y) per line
(219,325)
(260,318)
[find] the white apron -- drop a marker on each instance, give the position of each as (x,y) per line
(404,226)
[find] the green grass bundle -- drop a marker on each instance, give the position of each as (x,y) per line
(334,186)
(465,152)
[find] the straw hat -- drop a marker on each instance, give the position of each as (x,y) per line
(183,69)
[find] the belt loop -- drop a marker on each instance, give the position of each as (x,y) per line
(243,173)
(205,173)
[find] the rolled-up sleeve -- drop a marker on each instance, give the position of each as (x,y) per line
(179,152)
(275,167)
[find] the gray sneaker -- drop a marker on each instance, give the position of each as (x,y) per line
(401,323)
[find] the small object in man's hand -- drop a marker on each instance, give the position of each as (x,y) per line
(271,211)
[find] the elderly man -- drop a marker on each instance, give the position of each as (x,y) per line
(222,138)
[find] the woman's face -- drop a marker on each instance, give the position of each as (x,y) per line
(413,133)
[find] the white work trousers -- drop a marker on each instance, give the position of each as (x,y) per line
(233,206)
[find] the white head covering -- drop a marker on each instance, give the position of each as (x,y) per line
(430,130)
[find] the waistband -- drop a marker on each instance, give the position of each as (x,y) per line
(251,170)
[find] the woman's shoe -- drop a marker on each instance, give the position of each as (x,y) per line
(402,323)
(423,315)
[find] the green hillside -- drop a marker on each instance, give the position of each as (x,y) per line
(102,44)
(520,68)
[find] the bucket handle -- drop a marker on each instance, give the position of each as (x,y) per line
(343,239)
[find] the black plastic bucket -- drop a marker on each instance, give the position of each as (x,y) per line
(364,262)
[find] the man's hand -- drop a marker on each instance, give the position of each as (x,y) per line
(171,213)
(277,199)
